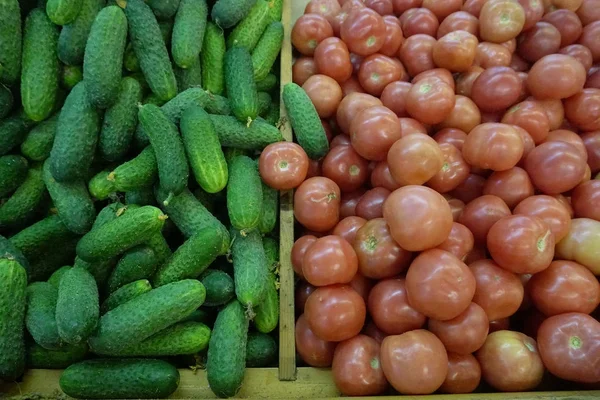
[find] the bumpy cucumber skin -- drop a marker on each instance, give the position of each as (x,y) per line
(150,49)
(145,315)
(99,269)
(273,114)
(38,142)
(10,41)
(125,293)
(188,32)
(248,32)
(164,9)
(62,12)
(227,13)
(53,257)
(25,202)
(204,150)
(264,102)
(267,49)
(73,37)
(306,122)
(241,87)
(173,170)
(71,75)
(13,171)
(13,130)
(35,239)
(233,133)
(244,194)
(57,275)
(100,187)
(6,101)
(76,137)
(38,357)
(120,379)
(189,77)
(270,209)
(267,312)
(115,237)
(137,173)
(72,201)
(39,77)
(271,252)
(212,57)
(103,58)
(267,83)
(10,252)
(219,287)
(261,350)
(276,10)
(40,318)
(130,60)
(249,269)
(136,264)
(226,361)
(13,284)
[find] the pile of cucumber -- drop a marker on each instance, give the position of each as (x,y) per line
(136,235)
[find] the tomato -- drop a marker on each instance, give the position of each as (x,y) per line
(299,250)
(556,76)
(393,36)
(464,374)
(470,189)
(444,8)
(356,367)
(335,313)
(329,260)
(317,204)
(589,38)
(408,126)
(303,68)
(453,172)
(473,7)
(414,159)
(414,362)
(332,58)
(382,7)
(493,146)
(563,135)
(373,131)
(570,346)
(377,70)
(456,206)
(430,101)
(459,21)
(541,40)
(436,74)
(364,31)
(349,202)
(325,93)
(499,292)
(510,361)
(464,116)
(496,88)
(310,30)
(370,205)
(351,105)
(589,11)
(582,244)
(534,11)
(313,351)
(348,227)
(460,241)
(416,53)
(327,8)
(455,51)
(394,97)
(501,324)
(303,290)
(501,20)
(568,25)
(352,85)
(362,286)
(419,21)
(374,332)
(586,200)
(549,210)
(555,167)
(465,333)
(583,109)
(382,177)
(512,186)
(283,165)
(389,308)
(591,141)
(518,64)
(492,55)
(570,5)
(346,168)
(530,116)
(402,5)
(581,54)
(419,217)
(452,136)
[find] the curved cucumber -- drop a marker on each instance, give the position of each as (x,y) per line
(267,312)
(247,33)
(125,293)
(236,134)
(241,87)
(136,264)
(137,173)
(212,57)
(267,49)
(39,140)
(40,319)
(244,194)
(25,202)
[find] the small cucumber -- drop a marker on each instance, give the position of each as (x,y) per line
(40,318)
(267,49)
(137,173)
(73,37)
(164,9)
(6,101)
(99,269)
(261,350)
(276,10)
(267,83)
(13,171)
(227,13)
(273,114)
(100,187)
(271,252)
(10,45)
(138,263)
(130,60)
(25,202)
(249,269)
(244,194)
(264,103)
(212,57)
(160,247)
(188,32)
(241,87)
(13,131)
(189,77)
(62,12)
(270,209)
(125,293)
(71,75)
(38,357)
(109,213)
(35,239)
(10,252)
(219,287)
(57,276)
(248,32)
(267,312)
(13,286)
(233,133)
(38,142)
(153,99)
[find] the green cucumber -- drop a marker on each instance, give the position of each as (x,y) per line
(10,41)
(115,237)
(76,137)
(10,252)
(141,197)
(73,202)
(125,293)
(233,133)
(6,101)
(25,202)
(103,58)
(205,315)
(226,361)
(267,83)
(99,269)
(130,60)
(212,57)
(227,13)
(137,264)
(188,32)
(166,29)
(146,315)
(39,78)
(204,150)
(219,287)
(139,76)
(109,213)
(261,350)
(13,131)
(270,209)
(138,173)
(248,32)
(53,256)
(249,269)
(271,252)
(160,247)
(164,9)
(264,103)
(244,194)
(57,276)
(77,308)
(189,77)
(41,358)
(189,337)
(120,379)
(150,49)
(13,286)
(35,239)
(71,75)
(40,318)
(232,152)
(13,171)
(73,37)
(305,121)
(267,49)
(192,258)
(273,114)
(241,87)
(153,99)
(168,148)
(38,142)
(276,10)
(267,312)
(100,187)
(62,12)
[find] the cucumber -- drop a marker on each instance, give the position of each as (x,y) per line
(226,362)
(233,133)
(38,357)
(232,152)
(39,78)
(77,308)
(130,60)
(62,12)
(6,101)
(10,41)
(57,276)
(35,239)
(305,121)
(273,114)
(267,83)
(40,318)
(150,49)
(73,37)
(139,76)
(13,284)
(13,131)
(120,379)
(261,350)
(189,337)
(276,10)
(267,49)
(164,9)
(25,202)
(244,194)
(137,264)
(109,213)
(270,209)
(145,315)
(100,187)
(205,315)
(264,103)
(271,252)
(248,32)
(188,32)
(189,77)
(212,57)
(204,150)
(138,173)
(115,237)
(76,137)
(71,75)
(153,99)
(241,87)
(141,197)
(166,29)
(219,287)
(52,257)
(10,252)
(125,293)
(72,201)
(249,270)
(13,171)
(103,58)
(100,270)
(267,312)
(38,142)
(160,247)
(168,148)
(193,257)
(227,13)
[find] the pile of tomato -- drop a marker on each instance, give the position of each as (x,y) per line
(452,233)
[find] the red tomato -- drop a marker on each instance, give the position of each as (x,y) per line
(325,93)
(567,23)
(459,21)
(351,105)
(394,97)
(498,291)
(460,241)
(464,374)
(454,170)
(329,260)
(382,7)
(465,333)
(393,36)
(436,74)
(283,165)
(492,55)
(389,308)
(402,5)
(349,202)
(589,11)
(581,244)
(496,88)
(373,131)
(457,206)
(313,351)
(549,210)
(586,200)
(382,177)
(583,109)
(464,116)
(416,53)
(346,168)
(444,8)
(452,136)
(470,189)
(317,204)
(589,38)
(419,21)
(327,8)
(332,58)
(493,146)
(310,30)
(370,205)
(541,40)
(512,186)
(415,159)
(455,51)
(534,11)
(362,286)
(364,31)
(348,227)
(352,85)
(530,116)
(556,76)
(303,68)
(430,101)
(473,7)
(303,290)
(377,70)
(591,141)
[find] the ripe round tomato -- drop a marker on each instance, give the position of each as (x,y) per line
(530,116)
(465,333)
(370,205)
(470,189)
(464,374)
(416,53)
(534,11)
(498,291)
(377,70)
(512,186)
(583,109)
(541,40)
(283,165)
(299,250)
(582,244)
(346,168)
(348,227)
(453,136)
(325,93)
(389,308)
(494,146)
(419,21)
(303,68)
(393,36)
(351,105)
(589,38)
(373,131)
(555,167)
(327,8)
(496,88)
(303,290)
(460,241)
(436,74)
(459,21)
(586,200)
(556,76)
(454,170)
(442,9)
(492,55)
(464,116)
(455,51)
(313,351)
(349,202)
(329,260)
(382,7)
(564,135)
(549,210)
(588,12)
(363,31)
(567,23)
(310,30)
(332,58)
(501,20)
(394,97)
(382,177)
(317,204)
(430,101)
(414,159)
(480,214)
